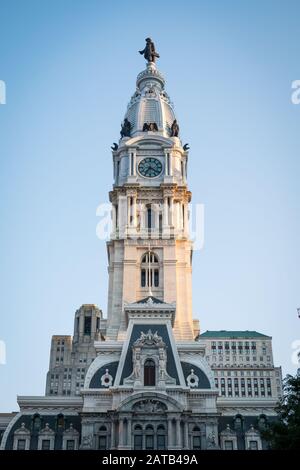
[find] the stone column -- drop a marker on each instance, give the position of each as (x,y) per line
(186,435)
(178,434)
(184,171)
(186,219)
(128,211)
(170,440)
(134,211)
(129,433)
(171,214)
(170,164)
(113,436)
(129,163)
(121,433)
(142,218)
(134,163)
(166,221)
(113,221)
(167,157)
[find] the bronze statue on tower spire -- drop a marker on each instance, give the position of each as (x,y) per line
(149,51)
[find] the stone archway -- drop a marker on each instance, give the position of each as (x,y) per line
(147,421)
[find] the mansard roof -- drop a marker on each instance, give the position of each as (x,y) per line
(227,334)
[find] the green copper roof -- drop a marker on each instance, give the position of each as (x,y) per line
(233,334)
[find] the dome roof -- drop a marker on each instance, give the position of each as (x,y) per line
(150,104)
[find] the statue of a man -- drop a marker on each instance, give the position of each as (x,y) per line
(174,129)
(125,128)
(149,52)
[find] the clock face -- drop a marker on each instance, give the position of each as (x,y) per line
(150,167)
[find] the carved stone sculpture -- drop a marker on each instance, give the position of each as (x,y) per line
(174,128)
(126,128)
(149,51)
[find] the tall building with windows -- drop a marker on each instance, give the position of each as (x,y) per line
(144,377)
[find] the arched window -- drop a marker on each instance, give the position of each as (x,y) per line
(196,438)
(149,373)
(60,421)
(238,423)
(161,437)
(36,423)
(102,438)
(262,422)
(138,437)
(149,270)
(149,442)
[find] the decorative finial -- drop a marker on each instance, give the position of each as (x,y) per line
(149,51)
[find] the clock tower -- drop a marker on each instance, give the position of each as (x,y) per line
(150,252)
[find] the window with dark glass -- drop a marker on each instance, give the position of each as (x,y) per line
(46,444)
(60,421)
(253,445)
(156,278)
(149,442)
(138,438)
(21,444)
(228,445)
(161,438)
(36,423)
(70,444)
(87,325)
(161,442)
(196,442)
(138,442)
(149,218)
(143,277)
(149,373)
(102,442)
(238,423)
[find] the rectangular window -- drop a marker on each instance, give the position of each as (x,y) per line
(161,442)
(156,278)
(102,442)
(138,442)
(228,445)
(149,442)
(143,278)
(253,445)
(46,444)
(21,444)
(196,442)
(70,444)
(87,325)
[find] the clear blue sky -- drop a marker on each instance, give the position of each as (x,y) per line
(70,69)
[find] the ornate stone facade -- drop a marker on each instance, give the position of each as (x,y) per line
(143,378)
